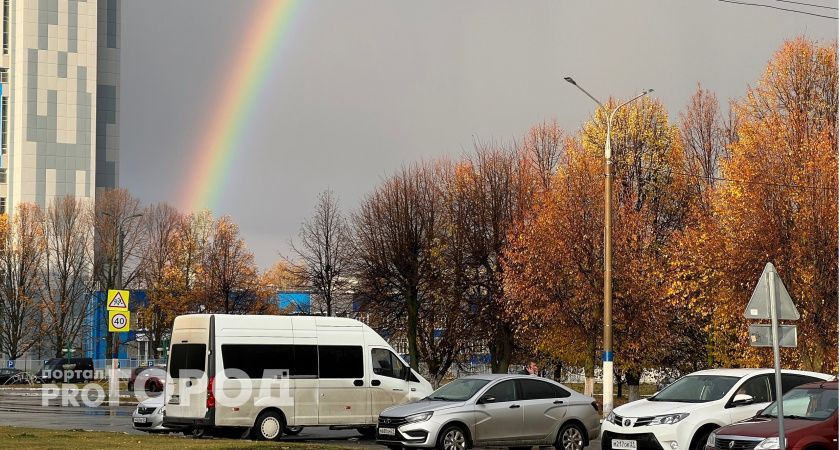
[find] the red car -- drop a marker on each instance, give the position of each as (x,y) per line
(150,379)
(810,423)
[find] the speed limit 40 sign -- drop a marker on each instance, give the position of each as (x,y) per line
(118,321)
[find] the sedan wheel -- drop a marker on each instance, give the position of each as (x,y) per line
(453,439)
(571,438)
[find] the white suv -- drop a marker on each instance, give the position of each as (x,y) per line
(681,416)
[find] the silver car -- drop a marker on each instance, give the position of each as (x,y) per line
(493,410)
(148,416)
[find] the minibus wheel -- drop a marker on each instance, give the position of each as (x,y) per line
(268,427)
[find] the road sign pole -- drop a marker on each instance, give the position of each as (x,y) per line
(774,329)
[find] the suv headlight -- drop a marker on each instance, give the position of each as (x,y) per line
(610,417)
(668,419)
(419,417)
(771,443)
(710,442)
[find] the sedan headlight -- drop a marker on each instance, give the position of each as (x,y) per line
(668,419)
(710,442)
(419,417)
(771,443)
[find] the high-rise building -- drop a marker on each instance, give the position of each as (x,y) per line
(60,75)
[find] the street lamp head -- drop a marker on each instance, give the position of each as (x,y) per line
(570,80)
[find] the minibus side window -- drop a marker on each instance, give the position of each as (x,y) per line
(386,364)
(340,361)
(187,357)
(256,359)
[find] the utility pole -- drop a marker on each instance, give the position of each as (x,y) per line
(607,356)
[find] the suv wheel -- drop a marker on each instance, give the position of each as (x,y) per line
(452,437)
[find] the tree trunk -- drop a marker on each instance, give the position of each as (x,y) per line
(589,370)
(501,349)
(413,307)
(632,385)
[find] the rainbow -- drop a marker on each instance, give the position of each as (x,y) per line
(223,131)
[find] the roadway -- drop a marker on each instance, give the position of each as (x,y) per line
(24,408)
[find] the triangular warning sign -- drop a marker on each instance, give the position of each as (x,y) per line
(117,302)
(759,305)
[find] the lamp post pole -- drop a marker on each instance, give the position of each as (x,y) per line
(607,356)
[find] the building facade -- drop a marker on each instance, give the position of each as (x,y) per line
(60,78)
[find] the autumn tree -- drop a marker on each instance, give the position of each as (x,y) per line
(705,138)
(395,228)
(324,252)
(781,205)
(65,274)
(229,277)
(22,249)
(554,265)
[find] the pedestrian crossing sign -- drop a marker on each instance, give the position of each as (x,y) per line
(117,300)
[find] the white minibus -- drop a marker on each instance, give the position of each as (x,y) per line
(274,373)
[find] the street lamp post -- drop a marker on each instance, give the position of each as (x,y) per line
(607,356)
(115,346)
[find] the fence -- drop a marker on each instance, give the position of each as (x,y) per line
(101,367)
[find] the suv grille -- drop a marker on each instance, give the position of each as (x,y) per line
(734,444)
(640,422)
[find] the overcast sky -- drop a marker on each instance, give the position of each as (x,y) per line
(363,87)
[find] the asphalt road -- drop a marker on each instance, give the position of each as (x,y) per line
(26,409)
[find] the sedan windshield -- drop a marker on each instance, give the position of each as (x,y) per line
(696,389)
(809,404)
(458,390)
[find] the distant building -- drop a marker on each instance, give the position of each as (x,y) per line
(294,302)
(60,77)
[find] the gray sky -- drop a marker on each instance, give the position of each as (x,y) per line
(363,87)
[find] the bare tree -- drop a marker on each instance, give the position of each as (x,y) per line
(325,252)
(543,149)
(395,228)
(65,275)
(115,209)
(158,273)
(21,253)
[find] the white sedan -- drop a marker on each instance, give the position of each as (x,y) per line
(148,416)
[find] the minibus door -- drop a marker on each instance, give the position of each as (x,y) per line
(186,386)
(388,380)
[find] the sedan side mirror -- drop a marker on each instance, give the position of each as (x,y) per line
(486,399)
(742,399)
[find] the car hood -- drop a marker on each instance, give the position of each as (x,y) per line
(762,427)
(152,402)
(418,407)
(646,408)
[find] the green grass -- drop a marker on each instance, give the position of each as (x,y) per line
(32,438)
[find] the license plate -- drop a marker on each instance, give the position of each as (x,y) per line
(388,431)
(139,420)
(623,444)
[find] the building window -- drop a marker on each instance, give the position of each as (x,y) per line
(2,205)
(6,27)
(4,125)
(4,75)
(3,178)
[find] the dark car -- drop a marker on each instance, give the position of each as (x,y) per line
(150,378)
(67,370)
(10,376)
(810,422)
